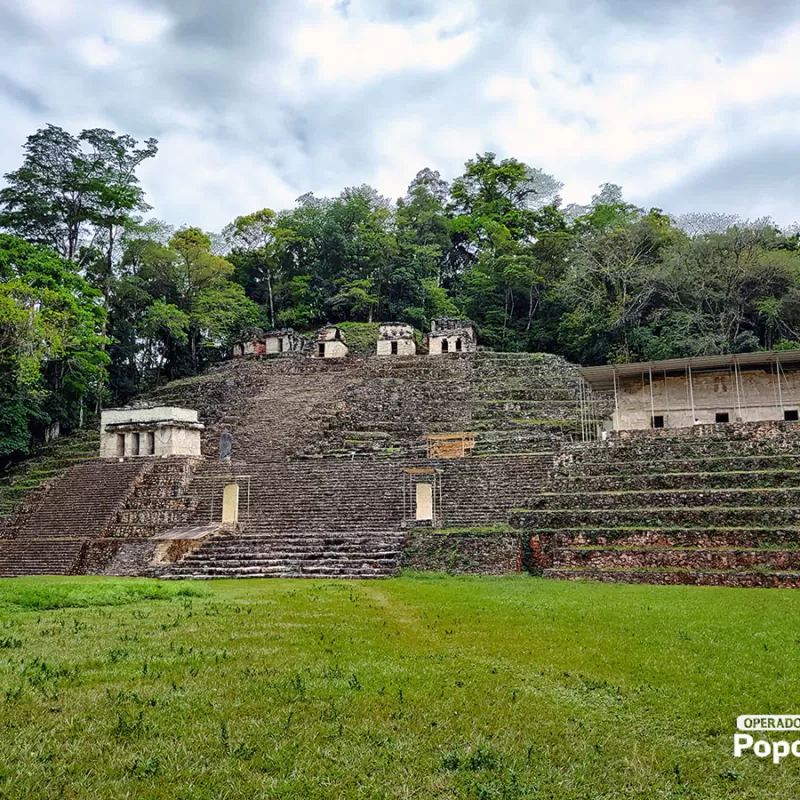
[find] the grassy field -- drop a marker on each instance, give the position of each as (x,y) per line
(418,687)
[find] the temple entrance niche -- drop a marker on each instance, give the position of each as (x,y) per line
(422,496)
(424,502)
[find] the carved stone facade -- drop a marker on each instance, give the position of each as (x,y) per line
(396,339)
(149,431)
(452,336)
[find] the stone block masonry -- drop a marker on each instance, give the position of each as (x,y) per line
(719,506)
(324,453)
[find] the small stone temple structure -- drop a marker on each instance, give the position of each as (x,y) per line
(396,339)
(452,336)
(328,342)
(270,343)
(149,431)
(683,392)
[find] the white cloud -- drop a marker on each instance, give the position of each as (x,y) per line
(95,51)
(256,107)
(136,26)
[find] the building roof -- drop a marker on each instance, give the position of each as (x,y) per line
(603,377)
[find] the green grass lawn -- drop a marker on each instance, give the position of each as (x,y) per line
(418,687)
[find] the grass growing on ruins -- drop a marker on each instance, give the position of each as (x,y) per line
(422,686)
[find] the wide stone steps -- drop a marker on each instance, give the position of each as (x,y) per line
(658,448)
(159,501)
(741,579)
(670,481)
(360,556)
(491,394)
(753,537)
(710,510)
(82,502)
(657,517)
(39,557)
(701,558)
(669,498)
(658,466)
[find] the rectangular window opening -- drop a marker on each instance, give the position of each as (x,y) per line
(458,345)
(658,421)
(280,345)
(722,417)
(394,348)
(321,349)
(445,345)
(791,415)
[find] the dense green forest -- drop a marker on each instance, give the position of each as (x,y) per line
(99,302)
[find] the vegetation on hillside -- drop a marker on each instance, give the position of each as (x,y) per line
(98,303)
(412,687)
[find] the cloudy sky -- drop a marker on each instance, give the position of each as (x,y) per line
(690,105)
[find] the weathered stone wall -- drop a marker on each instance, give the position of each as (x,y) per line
(405,347)
(476,552)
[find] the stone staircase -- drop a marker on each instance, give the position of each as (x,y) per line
(515,402)
(48,531)
(300,555)
(525,402)
(272,408)
(46,463)
(39,557)
(704,506)
(344,515)
(160,500)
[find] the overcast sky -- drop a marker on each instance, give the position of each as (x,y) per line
(690,106)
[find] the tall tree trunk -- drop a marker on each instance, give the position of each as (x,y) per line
(271,304)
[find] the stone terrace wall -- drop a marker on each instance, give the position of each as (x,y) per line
(471,551)
(712,505)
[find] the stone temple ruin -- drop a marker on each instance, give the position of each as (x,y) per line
(271,343)
(324,464)
(328,342)
(451,336)
(396,339)
(149,431)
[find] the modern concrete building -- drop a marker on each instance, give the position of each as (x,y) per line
(149,431)
(683,392)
